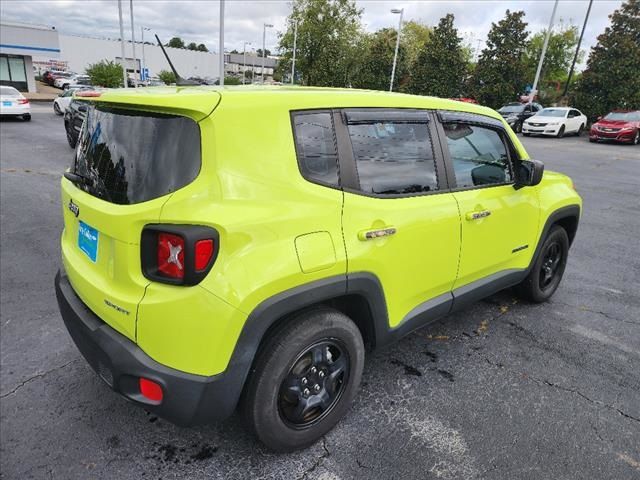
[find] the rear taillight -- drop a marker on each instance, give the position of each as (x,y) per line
(150,390)
(170,255)
(23,101)
(178,254)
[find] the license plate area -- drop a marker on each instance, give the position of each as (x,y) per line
(88,240)
(6,103)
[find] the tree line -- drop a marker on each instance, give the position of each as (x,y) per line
(333,49)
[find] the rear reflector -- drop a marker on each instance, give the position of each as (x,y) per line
(171,255)
(150,390)
(204,252)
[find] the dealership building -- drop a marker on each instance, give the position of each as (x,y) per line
(29,50)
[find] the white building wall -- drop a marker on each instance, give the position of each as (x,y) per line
(80,52)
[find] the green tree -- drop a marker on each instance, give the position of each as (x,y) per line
(105,73)
(248,74)
(192,46)
(167,77)
(202,47)
(176,42)
(500,73)
(376,61)
(441,66)
(414,37)
(328,36)
(558,57)
(232,81)
(612,77)
(259,52)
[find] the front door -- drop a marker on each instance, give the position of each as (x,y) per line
(399,222)
(499,223)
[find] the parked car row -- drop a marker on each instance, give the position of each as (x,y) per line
(65,80)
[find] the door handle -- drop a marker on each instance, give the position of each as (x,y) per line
(477,215)
(377,233)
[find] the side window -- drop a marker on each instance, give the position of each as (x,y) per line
(574,113)
(393,157)
(316,147)
(527,109)
(478,154)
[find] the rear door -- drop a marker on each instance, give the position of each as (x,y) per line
(400,222)
(127,164)
(499,223)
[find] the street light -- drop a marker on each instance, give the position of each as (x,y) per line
(133,41)
(244,62)
(293,63)
(124,68)
(264,53)
(221,53)
(144,63)
(396,11)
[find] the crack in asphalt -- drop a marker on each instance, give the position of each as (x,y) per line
(318,461)
(597,312)
(34,377)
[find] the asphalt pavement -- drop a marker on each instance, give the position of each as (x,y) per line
(501,390)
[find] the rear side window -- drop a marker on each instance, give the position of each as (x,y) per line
(478,154)
(130,157)
(393,157)
(316,147)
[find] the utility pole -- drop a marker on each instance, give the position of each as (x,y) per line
(221,48)
(534,90)
(133,43)
(144,62)
(575,57)
(264,48)
(293,63)
(244,63)
(124,68)
(395,55)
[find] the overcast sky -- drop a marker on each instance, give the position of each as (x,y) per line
(198,21)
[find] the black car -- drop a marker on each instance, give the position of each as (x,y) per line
(516,113)
(73,118)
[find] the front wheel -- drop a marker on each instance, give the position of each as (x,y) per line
(561,132)
(306,376)
(548,269)
(518,127)
(56,109)
(636,139)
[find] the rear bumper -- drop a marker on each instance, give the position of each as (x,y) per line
(187,399)
(15,110)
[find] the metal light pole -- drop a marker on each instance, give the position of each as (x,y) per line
(575,57)
(144,62)
(264,53)
(124,68)
(534,90)
(244,63)
(293,63)
(221,48)
(133,42)
(395,55)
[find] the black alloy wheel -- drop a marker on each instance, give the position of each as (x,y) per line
(552,260)
(314,384)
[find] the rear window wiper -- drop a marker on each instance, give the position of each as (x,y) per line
(78,179)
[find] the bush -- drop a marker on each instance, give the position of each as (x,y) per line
(105,73)
(232,81)
(167,77)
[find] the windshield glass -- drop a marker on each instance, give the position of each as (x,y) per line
(130,157)
(511,109)
(624,116)
(552,112)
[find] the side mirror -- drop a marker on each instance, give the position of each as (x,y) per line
(528,173)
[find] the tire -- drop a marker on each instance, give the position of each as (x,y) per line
(526,134)
(286,376)
(560,132)
(56,109)
(579,132)
(26,117)
(636,139)
(592,140)
(518,127)
(545,275)
(70,138)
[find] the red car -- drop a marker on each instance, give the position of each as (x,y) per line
(618,126)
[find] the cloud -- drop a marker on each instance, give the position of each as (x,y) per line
(198,21)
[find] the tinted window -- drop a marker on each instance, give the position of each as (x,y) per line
(478,154)
(131,157)
(553,112)
(393,157)
(316,147)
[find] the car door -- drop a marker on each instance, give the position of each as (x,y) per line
(499,222)
(400,222)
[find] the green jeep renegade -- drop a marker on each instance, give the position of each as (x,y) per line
(245,246)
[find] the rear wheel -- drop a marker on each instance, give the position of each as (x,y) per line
(548,269)
(26,117)
(561,132)
(636,139)
(579,132)
(518,127)
(305,379)
(56,108)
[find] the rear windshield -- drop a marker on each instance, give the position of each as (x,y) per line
(9,92)
(130,157)
(512,109)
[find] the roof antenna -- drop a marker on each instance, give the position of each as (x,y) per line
(181,82)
